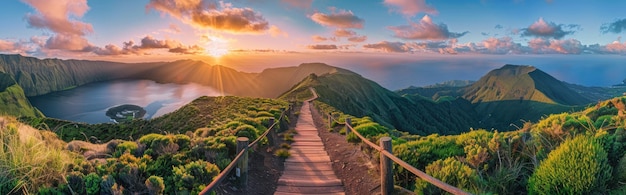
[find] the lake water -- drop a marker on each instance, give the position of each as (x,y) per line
(88,103)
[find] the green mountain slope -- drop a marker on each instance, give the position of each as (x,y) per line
(357,96)
(512,82)
(12,99)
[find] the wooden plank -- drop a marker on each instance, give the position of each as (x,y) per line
(286,193)
(296,166)
(308,173)
(309,190)
(309,182)
(309,177)
(308,159)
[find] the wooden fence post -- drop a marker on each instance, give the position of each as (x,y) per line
(386,167)
(242,165)
(348,122)
(330,121)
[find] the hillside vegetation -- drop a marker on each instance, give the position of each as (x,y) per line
(12,99)
(178,153)
(357,96)
(506,97)
(539,158)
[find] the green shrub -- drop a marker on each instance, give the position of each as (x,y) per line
(126,146)
(352,138)
(76,183)
(106,185)
(620,172)
(285,146)
(246,131)
(264,114)
(577,166)
(370,129)
(92,183)
(155,185)
(282,153)
(453,172)
(192,177)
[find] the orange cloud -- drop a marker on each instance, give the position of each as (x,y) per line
(318,38)
(344,33)
(341,19)
(389,47)
(227,18)
(410,7)
(569,46)
(148,43)
(275,32)
(357,39)
(424,29)
(56,17)
(322,47)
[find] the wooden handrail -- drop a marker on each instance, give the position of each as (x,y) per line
(407,166)
(219,178)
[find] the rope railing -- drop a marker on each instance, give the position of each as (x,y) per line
(386,173)
(242,148)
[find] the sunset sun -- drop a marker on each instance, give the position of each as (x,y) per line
(216,47)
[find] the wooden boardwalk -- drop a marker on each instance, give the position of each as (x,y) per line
(308,170)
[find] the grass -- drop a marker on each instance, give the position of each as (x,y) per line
(29,158)
(283,153)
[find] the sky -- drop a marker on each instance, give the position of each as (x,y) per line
(379,39)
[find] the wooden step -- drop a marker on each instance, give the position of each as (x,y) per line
(308,159)
(310,190)
(296,166)
(308,182)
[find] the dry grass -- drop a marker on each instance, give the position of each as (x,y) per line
(29,158)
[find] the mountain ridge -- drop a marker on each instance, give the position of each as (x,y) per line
(515,82)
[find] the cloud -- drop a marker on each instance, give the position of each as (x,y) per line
(614,27)
(389,47)
(174,28)
(543,29)
(194,49)
(223,17)
(55,16)
(344,33)
(341,19)
(275,32)
(425,29)
(318,38)
(60,17)
(410,7)
(15,46)
(498,26)
(616,47)
(544,46)
(357,39)
(67,42)
(322,47)
(145,45)
(305,4)
(502,45)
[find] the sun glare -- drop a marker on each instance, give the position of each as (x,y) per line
(216,47)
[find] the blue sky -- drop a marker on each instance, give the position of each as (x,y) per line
(255,34)
(114,22)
